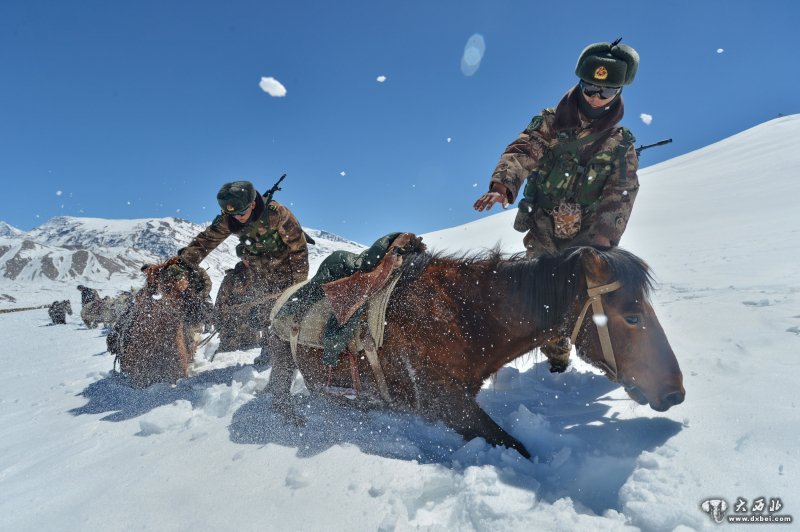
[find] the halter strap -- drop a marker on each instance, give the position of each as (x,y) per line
(595,294)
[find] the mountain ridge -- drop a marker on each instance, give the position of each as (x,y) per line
(66,251)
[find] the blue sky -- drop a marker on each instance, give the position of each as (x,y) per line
(143,109)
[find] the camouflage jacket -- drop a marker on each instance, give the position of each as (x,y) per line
(285,252)
(528,152)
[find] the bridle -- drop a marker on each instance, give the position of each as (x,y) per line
(595,293)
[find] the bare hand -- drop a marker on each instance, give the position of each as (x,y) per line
(488,199)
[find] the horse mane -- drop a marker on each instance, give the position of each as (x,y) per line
(547,284)
(632,271)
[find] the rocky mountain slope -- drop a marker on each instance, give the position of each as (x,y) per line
(108,254)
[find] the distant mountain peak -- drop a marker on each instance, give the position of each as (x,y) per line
(106,252)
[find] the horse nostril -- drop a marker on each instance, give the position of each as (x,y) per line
(674,398)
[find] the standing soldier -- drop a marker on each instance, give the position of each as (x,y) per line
(577,165)
(272,246)
(580,166)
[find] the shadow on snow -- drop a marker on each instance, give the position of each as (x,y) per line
(113,394)
(580,449)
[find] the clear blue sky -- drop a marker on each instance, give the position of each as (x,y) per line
(143,109)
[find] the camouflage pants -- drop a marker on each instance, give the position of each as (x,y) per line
(244,302)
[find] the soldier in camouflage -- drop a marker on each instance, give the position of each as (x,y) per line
(272,247)
(577,166)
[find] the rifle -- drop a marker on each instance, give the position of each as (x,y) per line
(268,197)
(643,147)
(271,192)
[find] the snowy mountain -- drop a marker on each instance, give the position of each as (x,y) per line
(108,254)
(80,451)
(8,230)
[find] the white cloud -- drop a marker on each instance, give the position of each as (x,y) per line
(646,118)
(272,86)
(720,50)
(381,79)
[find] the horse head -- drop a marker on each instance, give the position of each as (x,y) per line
(621,333)
(181,283)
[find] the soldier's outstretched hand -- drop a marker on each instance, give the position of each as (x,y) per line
(488,199)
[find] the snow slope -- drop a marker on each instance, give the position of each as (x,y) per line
(81,451)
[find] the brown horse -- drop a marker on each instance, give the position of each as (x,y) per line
(154,339)
(453,322)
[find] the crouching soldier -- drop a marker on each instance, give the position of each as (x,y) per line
(272,247)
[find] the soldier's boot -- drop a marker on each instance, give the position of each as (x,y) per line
(557,351)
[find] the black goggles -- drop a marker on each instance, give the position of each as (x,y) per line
(596,90)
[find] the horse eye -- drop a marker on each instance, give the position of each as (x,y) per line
(632,320)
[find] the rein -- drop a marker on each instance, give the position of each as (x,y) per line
(595,294)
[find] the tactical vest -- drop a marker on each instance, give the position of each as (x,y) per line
(561,174)
(258,238)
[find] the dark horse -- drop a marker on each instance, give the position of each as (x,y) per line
(453,322)
(58,311)
(154,339)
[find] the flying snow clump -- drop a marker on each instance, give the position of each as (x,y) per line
(720,50)
(646,118)
(381,79)
(58,192)
(342,173)
(473,54)
(272,86)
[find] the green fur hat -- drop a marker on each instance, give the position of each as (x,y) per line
(608,64)
(236,197)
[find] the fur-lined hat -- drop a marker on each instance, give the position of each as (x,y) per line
(608,64)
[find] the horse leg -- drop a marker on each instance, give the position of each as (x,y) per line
(557,351)
(183,352)
(280,379)
(459,410)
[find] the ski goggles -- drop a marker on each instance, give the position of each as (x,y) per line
(596,90)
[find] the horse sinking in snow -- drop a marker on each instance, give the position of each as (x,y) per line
(453,322)
(154,339)
(58,311)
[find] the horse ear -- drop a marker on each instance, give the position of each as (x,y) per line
(595,265)
(145,266)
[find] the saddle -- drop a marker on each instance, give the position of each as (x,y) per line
(327,312)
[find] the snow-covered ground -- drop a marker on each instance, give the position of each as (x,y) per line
(80,451)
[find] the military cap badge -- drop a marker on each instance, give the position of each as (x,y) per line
(600,72)
(230,208)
